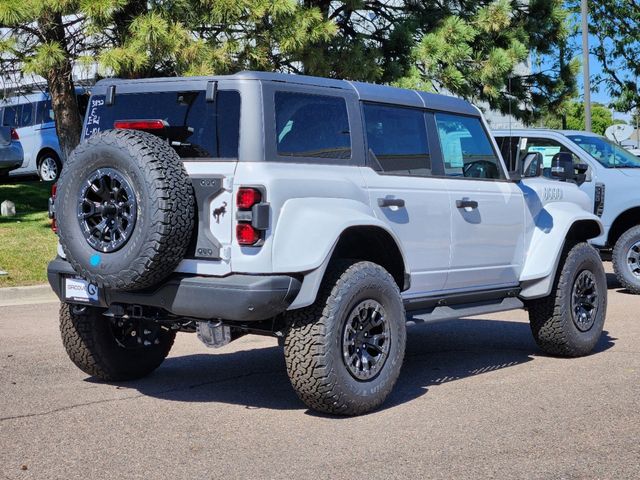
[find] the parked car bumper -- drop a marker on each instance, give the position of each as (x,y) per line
(11,157)
(235,297)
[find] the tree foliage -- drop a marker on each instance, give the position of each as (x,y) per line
(601,118)
(615,25)
(472,48)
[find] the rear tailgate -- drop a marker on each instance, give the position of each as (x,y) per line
(204,131)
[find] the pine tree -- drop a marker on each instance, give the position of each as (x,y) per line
(473,48)
(46,36)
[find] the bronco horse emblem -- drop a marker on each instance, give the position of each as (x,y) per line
(220,211)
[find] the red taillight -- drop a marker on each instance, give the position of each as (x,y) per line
(247,198)
(139,124)
(246,234)
(52,210)
(14,134)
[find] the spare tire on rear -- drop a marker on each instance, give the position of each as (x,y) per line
(125,209)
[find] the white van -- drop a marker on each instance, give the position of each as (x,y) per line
(32,117)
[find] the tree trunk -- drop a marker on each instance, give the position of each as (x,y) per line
(60,82)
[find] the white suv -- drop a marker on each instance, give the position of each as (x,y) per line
(318,211)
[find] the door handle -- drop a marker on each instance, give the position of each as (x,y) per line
(466,204)
(390,202)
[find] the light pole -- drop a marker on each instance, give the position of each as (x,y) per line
(584,10)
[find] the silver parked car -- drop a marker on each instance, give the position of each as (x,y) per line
(11,154)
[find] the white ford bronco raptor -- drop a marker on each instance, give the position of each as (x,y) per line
(318,211)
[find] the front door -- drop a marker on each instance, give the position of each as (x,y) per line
(487,210)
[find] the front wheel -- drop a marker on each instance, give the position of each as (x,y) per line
(626,259)
(112,349)
(344,353)
(569,321)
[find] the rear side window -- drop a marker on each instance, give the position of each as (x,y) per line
(312,126)
(194,127)
(397,140)
(44,112)
(466,148)
(26,115)
(10,116)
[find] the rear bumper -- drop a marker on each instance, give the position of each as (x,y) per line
(10,157)
(234,297)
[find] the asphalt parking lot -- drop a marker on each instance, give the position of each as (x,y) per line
(475,399)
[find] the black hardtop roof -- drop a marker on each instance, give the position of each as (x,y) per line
(365,91)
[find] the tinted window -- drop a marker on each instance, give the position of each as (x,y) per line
(26,115)
(195,127)
(397,140)
(10,117)
(45,112)
(312,126)
(466,148)
(548,148)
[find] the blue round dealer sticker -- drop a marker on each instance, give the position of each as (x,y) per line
(94,260)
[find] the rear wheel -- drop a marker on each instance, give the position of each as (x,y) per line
(344,353)
(49,166)
(626,259)
(569,321)
(112,349)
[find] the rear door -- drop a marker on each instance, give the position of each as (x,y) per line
(487,209)
(404,193)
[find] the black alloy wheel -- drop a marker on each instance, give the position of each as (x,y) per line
(107,210)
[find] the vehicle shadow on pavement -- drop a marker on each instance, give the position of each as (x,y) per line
(436,354)
(458,349)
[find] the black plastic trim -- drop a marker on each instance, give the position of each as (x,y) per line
(206,188)
(426,304)
(235,297)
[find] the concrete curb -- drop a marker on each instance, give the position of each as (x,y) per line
(26,295)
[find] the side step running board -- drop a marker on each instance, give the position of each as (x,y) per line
(446,312)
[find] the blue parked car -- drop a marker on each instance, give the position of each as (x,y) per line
(32,117)
(11,155)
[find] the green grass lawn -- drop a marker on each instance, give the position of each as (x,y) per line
(26,240)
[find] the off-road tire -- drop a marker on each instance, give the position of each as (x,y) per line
(552,318)
(165,209)
(313,345)
(89,341)
(619,258)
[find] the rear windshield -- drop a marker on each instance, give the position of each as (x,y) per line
(194,127)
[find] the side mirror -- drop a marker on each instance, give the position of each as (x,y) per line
(562,167)
(532,165)
(581,172)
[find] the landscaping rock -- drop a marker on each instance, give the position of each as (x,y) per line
(8,209)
